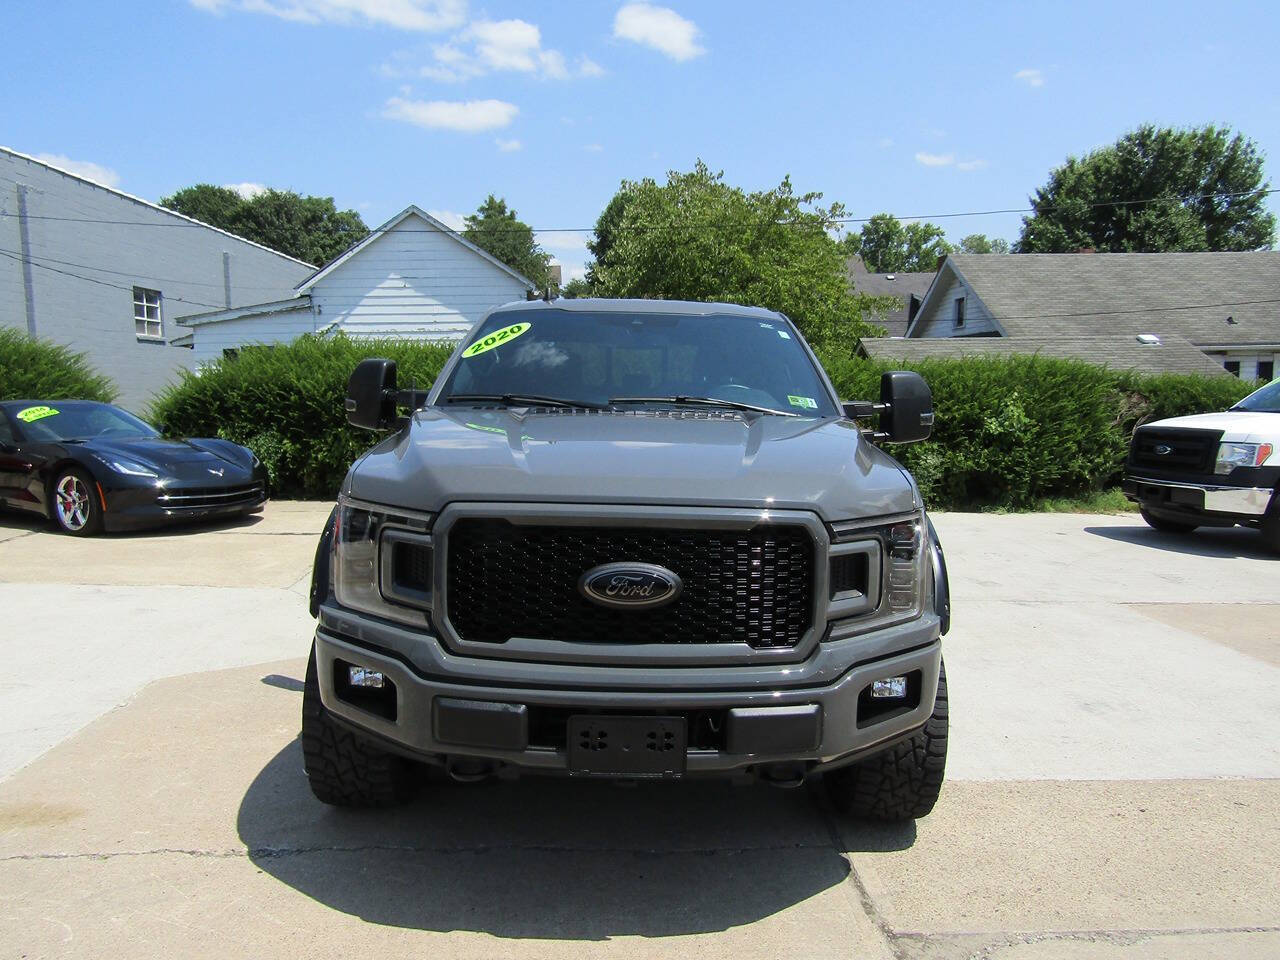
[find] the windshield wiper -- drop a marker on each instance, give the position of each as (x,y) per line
(520,399)
(705,402)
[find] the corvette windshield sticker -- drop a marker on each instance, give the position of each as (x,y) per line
(36,413)
(496,339)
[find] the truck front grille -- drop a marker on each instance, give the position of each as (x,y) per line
(1174,449)
(506,580)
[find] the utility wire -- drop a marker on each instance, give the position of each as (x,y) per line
(133,273)
(716,226)
(103,283)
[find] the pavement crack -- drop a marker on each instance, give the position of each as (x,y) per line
(268,853)
(1117,937)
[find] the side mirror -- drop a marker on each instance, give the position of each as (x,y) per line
(371,395)
(907,407)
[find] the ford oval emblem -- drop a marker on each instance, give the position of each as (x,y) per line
(1162,449)
(630,585)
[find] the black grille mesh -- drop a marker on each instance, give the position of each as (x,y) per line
(1188,450)
(506,580)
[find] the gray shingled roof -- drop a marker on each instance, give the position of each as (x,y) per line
(1120,352)
(900,285)
(1185,294)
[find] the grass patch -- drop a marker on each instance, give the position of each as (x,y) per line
(1104,501)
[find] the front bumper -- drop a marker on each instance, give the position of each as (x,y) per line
(1204,500)
(813,714)
(136,507)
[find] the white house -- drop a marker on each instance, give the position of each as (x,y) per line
(413,278)
(1225,304)
(108,273)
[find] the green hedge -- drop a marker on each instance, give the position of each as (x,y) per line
(285,403)
(1010,431)
(40,370)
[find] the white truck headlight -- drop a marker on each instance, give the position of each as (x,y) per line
(382,564)
(1232,455)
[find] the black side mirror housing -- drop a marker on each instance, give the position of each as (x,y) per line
(907,407)
(371,395)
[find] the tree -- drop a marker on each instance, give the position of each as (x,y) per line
(308,228)
(887,245)
(575,288)
(496,229)
(606,233)
(1155,190)
(980,243)
(698,238)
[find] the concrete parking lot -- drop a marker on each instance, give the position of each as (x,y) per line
(1113,784)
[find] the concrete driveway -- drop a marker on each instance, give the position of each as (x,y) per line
(1112,787)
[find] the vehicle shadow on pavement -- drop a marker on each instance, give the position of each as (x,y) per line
(551,858)
(1205,542)
(12,520)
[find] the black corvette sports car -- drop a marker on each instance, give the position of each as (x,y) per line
(91,467)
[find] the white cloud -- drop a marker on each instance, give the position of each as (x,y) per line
(247,190)
(469,116)
(975,164)
(423,15)
(508,146)
(589,68)
(660,28)
(593,148)
(82,168)
(1031,77)
(451,219)
(493,46)
(935,159)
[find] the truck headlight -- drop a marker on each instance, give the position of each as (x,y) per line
(1232,455)
(904,579)
(382,563)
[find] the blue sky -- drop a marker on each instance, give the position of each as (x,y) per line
(915,109)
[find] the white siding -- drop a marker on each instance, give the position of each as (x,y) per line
(90,246)
(937,319)
(212,338)
(413,281)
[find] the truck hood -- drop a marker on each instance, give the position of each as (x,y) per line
(1242,426)
(667,457)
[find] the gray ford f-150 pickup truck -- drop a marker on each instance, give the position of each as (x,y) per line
(630,539)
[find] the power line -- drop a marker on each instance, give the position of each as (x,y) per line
(133,273)
(103,283)
(715,226)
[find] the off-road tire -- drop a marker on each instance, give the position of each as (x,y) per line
(903,782)
(344,769)
(1163,525)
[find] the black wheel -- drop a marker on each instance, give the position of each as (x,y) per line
(1271,524)
(74,503)
(903,782)
(1156,522)
(344,769)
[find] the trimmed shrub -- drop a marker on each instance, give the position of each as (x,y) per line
(285,403)
(1013,431)
(40,370)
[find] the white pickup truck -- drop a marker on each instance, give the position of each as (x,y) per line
(1212,469)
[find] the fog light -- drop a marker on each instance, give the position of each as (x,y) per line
(890,688)
(364,677)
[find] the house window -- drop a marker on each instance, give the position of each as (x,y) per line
(146,313)
(959,312)
(1232,366)
(1266,370)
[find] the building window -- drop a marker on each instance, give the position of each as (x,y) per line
(959,312)
(146,313)
(1266,370)
(1232,366)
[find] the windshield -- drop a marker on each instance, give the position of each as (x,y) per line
(78,421)
(1266,400)
(594,359)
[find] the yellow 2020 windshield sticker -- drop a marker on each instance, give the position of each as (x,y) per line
(36,413)
(496,339)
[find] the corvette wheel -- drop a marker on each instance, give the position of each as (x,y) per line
(75,504)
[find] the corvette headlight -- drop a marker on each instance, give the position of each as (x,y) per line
(382,563)
(128,467)
(1232,455)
